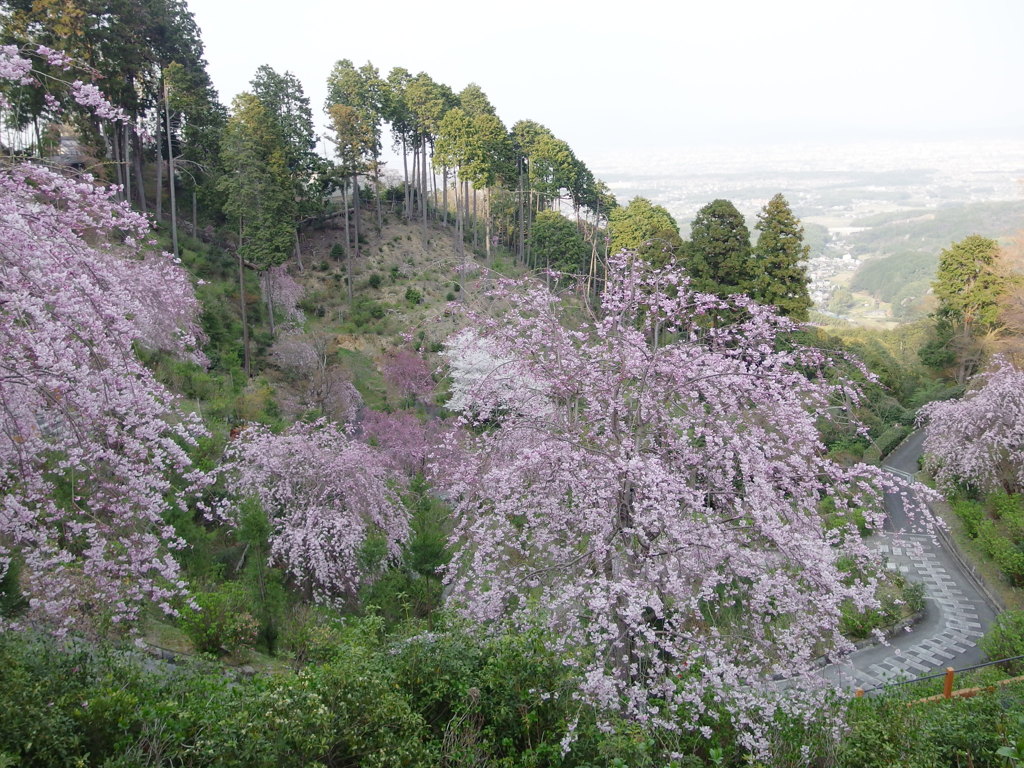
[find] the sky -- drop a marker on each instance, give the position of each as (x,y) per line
(613,77)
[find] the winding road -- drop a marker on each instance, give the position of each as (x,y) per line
(957,613)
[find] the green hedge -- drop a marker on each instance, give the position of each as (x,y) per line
(1007,555)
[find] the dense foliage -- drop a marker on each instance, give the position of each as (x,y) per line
(779,253)
(648,491)
(90,439)
(979,439)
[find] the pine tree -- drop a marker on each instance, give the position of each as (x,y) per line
(780,249)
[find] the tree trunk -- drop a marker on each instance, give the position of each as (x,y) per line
(432,189)
(115,145)
(298,251)
(241,301)
(423,184)
(137,163)
(126,160)
(522,217)
(475,228)
(414,184)
(355,212)
(270,302)
(444,193)
(170,175)
(159,183)
(405,173)
(458,220)
(348,237)
(376,189)
(487,224)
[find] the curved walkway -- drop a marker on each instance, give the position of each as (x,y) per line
(957,614)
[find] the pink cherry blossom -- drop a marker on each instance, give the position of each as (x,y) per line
(646,485)
(324,494)
(90,442)
(979,439)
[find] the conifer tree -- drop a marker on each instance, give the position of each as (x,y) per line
(780,249)
(719,259)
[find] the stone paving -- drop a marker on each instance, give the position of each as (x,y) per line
(956,612)
(924,649)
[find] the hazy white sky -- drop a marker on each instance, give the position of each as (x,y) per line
(612,76)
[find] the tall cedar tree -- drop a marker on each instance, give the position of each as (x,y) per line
(780,249)
(719,259)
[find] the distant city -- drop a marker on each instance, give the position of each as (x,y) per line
(858,202)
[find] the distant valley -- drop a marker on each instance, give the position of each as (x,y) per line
(888,204)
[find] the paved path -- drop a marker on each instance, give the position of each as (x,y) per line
(956,613)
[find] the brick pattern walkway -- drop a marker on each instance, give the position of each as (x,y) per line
(917,653)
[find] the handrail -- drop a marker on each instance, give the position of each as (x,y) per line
(948,674)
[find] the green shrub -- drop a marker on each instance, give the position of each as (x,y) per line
(883,732)
(39,690)
(1009,509)
(971,513)
(12,601)
(369,720)
(222,623)
(1006,555)
(375,281)
(311,635)
(1005,639)
(413,296)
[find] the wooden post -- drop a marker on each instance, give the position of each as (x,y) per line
(947,685)
(859,693)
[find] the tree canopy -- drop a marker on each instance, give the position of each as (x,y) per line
(639,479)
(718,257)
(645,228)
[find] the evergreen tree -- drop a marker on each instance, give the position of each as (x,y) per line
(968,288)
(474,101)
(780,249)
(719,256)
(967,285)
(288,106)
(259,193)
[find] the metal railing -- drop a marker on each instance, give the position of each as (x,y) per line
(947,686)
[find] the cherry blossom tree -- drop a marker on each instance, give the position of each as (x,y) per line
(651,496)
(979,439)
(407,375)
(325,495)
(89,440)
(404,439)
(485,383)
(319,384)
(282,292)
